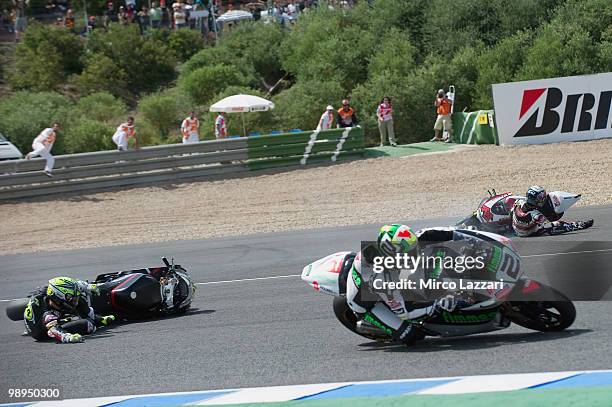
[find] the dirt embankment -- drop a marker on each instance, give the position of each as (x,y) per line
(366,191)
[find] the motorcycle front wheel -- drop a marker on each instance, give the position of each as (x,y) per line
(543,316)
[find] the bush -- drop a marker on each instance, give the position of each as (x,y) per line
(89,135)
(24,115)
(102,75)
(301,105)
(203,83)
(147,62)
(161,111)
(100,107)
(499,64)
(251,49)
(185,43)
(45,58)
(397,56)
(324,45)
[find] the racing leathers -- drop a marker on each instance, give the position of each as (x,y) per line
(529,220)
(387,309)
(46,320)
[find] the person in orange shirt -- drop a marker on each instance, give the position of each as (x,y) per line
(124,132)
(189,129)
(443,121)
(42,146)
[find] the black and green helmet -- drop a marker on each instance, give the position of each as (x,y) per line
(64,292)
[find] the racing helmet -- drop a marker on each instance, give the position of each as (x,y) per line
(64,292)
(536,196)
(396,238)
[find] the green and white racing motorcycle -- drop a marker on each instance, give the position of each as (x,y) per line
(521,300)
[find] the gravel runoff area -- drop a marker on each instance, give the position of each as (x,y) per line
(375,190)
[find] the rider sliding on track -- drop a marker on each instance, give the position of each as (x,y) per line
(536,216)
(391,312)
(60,299)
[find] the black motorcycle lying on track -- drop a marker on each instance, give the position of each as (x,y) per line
(134,294)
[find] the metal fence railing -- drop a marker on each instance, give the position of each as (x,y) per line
(104,169)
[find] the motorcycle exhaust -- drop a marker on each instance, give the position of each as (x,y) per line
(369,329)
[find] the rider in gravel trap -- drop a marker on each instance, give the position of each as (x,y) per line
(391,310)
(536,215)
(49,311)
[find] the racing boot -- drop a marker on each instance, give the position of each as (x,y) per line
(105,320)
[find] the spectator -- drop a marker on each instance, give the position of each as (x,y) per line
(42,146)
(180,17)
(384,112)
(327,119)
(443,121)
(143,20)
(123,16)
(155,16)
(21,20)
(130,4)
(346,115)
(220,127)
(110,15)
(190,128)
(131,13)
(292,11)
(124,132)
(69,22)
(92,23)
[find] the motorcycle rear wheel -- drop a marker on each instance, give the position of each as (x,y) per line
(16,308)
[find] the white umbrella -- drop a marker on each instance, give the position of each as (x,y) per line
(235,15)
(242,104)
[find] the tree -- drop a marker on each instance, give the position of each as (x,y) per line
(45,58)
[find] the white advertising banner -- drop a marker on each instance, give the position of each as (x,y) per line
(543,111)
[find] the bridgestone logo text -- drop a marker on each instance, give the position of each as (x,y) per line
(590,117)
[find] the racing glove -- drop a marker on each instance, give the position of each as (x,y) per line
(88,288)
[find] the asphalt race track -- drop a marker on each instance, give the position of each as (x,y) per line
(267,331)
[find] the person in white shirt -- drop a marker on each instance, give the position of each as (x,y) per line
(124,132)
(189,129)
(220,127)
(327,119)
(42,145)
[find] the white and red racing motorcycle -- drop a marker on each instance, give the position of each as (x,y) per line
(523,301)
(494,212)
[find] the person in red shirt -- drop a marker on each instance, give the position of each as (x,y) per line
(443,121)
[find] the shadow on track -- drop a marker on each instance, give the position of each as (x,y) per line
(483,341)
